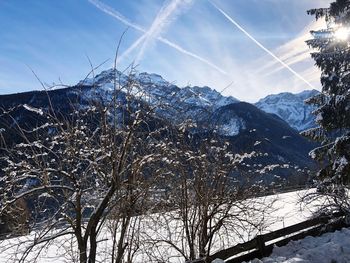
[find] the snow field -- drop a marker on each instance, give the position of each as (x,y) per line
(328,248)
(155,232)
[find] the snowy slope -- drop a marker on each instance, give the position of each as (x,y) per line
(225,115)
(285,211)
(328,248)
(153,88)
(291,108)
(193,101)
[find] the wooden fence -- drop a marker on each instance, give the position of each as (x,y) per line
(262,245)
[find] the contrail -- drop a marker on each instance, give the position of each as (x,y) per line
(291,50)
(186,52)
(167,13)
(175,46)
(295,50)
(261,46)
(303,56)
(132,47)
(110,11)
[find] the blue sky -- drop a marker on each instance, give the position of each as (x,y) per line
(188,42)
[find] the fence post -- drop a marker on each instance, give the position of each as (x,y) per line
(260,244)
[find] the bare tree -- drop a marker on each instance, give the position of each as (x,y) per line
(207,204)
(78,170)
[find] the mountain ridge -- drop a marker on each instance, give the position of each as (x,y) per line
(291,108)
(245,126)
(288,106)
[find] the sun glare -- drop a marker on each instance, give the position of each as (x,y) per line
(342,33)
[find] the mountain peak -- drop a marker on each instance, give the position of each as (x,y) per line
(291,108)
(151,78)
(288,106)
(307,94)
(159,90)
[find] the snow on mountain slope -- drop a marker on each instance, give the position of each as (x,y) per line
(194,101)
(154,89)
(232,127)
(291,108)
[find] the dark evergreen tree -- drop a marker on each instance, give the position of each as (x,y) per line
(332,55)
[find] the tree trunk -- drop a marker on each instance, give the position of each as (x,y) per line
(93,246)
(121,245)
(82,253)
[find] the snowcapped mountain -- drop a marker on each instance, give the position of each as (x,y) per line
(155,90)
(196,102)
(245,126)
(291,108)
(249,127)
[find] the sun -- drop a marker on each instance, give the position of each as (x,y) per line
(342,33)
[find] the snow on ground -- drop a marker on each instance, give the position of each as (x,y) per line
(281,210)
(328,248)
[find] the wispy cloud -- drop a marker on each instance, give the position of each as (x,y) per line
(110,11)
(294,51)
(285,65)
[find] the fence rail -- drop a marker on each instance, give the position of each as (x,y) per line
(262,245)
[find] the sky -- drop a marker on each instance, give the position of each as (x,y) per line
(244,48)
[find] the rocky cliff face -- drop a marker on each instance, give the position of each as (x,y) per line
(291,108)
